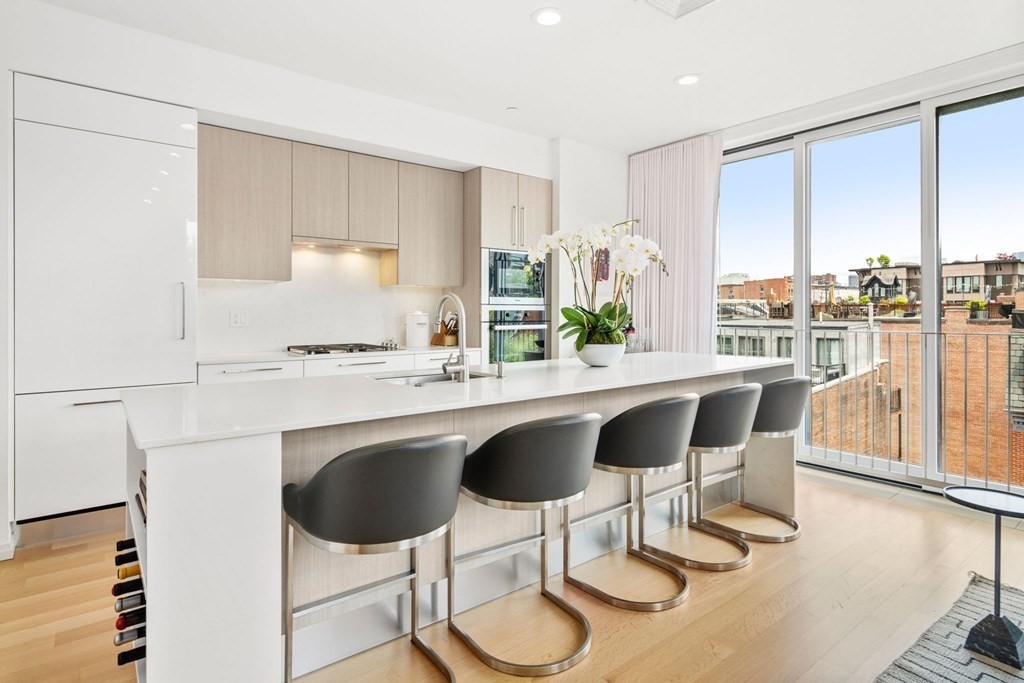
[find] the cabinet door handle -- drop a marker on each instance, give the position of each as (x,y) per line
(96,403)
(522,225)
(352,365)
(239,372)
(503,328)
(182,310)
(515,226)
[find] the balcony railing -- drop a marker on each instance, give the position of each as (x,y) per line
(868,412)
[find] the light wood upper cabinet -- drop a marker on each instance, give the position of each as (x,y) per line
(430,229)
(319,192)
(515,210)
(499,210)
(373,199)
(534,209)
(245,205)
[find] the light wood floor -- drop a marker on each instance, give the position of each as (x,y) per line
(874,568)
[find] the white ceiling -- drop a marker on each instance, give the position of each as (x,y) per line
(605,75)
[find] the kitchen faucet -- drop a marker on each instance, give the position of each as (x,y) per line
(461,365)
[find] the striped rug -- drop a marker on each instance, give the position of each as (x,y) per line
(939,655)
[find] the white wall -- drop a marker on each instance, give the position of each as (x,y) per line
(333,296)
(591,186)
(47,41)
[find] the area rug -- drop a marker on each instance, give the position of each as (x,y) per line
(939,654)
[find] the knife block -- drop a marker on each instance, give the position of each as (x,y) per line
(440,339)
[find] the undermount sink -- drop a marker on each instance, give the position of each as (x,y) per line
(432,378)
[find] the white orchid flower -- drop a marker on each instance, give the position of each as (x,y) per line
(533,256)
(649,248)
(631,242)
(561,237)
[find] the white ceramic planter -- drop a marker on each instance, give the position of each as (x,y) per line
(601,355)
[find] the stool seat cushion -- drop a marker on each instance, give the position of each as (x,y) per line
(539,461)
(650,436)
(725,418)
(782,404)
(383,493)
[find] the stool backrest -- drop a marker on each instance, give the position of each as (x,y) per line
(725,418)
(382,493)
(782,405)
(651,435)
(538,461)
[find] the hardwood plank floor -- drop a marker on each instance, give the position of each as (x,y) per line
(875,566)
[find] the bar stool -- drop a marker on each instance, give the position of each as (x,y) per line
(723,424)
(778,416)
(532,466)
(648,439)
(378,499)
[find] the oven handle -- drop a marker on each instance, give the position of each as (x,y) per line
(503,328)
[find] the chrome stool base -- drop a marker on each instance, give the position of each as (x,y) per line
(514,668)
(640,554)
(703,564)
(759,538)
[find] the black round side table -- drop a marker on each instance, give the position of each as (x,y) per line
(995,636)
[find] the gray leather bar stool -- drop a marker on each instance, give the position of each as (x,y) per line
(778,416)
(648,439)
(723,424)
(382,498)
(533,466)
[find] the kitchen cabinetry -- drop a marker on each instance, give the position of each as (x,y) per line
(319,193)
(357,365)
(372,199)
(514,210)
(430,229)
(245,205)
(249,372)
(104,281)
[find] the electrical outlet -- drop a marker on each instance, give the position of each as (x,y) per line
(239,318)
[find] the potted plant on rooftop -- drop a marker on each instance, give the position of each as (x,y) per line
(597,327)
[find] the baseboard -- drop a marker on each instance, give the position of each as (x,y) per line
(69,526)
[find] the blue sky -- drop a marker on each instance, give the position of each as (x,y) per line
(865,196)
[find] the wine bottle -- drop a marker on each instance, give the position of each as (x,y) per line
(130,602)
(133,586)
(127,558)
(129,619)
(132,655)
(126,544)
(129,571)
(128,636)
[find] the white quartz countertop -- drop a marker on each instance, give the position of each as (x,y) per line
(181,414)
(281,356)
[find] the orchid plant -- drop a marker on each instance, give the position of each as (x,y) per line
(589,321)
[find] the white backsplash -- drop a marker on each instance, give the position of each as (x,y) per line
(333,297)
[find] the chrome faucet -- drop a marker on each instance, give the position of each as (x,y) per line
(461,364)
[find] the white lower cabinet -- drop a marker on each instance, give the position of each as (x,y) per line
(249,372)
(434,360)
(349,365)
(71,452)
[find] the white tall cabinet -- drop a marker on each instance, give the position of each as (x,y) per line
(104,281)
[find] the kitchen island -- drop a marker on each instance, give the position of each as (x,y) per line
(217,456)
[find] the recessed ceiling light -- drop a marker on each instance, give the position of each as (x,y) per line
(164,173)
(175,155)
(512,109)
(311,246)
(547,16)
(188,126)
(688,79)
(357,249)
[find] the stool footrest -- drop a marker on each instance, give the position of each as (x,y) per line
(756,537)
(740,544)
(516,669)
(639,605)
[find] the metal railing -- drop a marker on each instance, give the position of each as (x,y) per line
(868,412)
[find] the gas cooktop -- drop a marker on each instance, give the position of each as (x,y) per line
(320,349)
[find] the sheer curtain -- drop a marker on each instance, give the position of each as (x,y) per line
(673,190)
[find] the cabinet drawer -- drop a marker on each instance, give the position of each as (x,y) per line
(355,366)
(69,452)
(249,372)
(433,360)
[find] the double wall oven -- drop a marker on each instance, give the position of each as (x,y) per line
(515,307)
